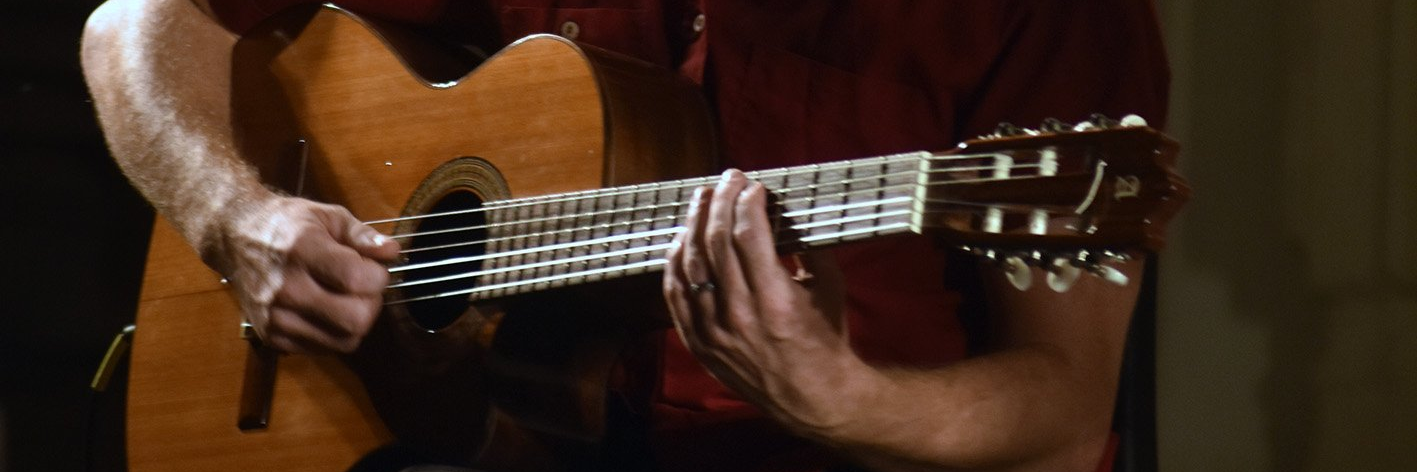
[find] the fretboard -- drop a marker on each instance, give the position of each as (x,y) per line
(551,241)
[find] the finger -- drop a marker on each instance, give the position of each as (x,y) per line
(337,316)
(734,292)
(338,268)
(349,231)
(675,293)
(754,242)
(289,332)
(695,267)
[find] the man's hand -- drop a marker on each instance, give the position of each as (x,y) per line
(778,340)
(308,275)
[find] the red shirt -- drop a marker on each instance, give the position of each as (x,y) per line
(805,81)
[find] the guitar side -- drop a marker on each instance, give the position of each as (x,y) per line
(551,117)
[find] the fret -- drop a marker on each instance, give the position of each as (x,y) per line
(668,212)
(781,203)
(536,237)
(516,242)
(501,243)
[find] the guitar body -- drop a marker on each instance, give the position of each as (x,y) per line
(341,110)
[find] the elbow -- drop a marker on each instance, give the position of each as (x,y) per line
(100,36)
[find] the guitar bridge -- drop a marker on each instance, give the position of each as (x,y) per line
(258,386)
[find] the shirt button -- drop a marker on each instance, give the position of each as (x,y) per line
(570,30)
(699,22)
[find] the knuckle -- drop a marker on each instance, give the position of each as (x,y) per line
(742,230)
(718,237)
(669,286)
(376,277)
(278,325)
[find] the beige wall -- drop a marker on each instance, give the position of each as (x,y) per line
(1287,335)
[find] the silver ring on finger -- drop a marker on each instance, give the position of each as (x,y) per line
(702,288)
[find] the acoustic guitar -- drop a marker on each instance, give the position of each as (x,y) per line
(535,197)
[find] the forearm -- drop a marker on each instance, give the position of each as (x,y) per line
(1013,410)
(159,74)
(1040,399)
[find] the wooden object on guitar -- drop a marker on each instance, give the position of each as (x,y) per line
(392,129)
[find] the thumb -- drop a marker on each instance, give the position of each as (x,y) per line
(373,244)
(349,231)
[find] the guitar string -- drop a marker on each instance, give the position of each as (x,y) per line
(629,251)
(632,251)
(654,207)
(650,264)
(646,265)
(681,184)
(617,268)
(635,236)
(642,234)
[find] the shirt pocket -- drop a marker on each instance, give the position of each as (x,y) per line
(637,32)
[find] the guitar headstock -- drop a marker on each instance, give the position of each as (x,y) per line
(1065,197)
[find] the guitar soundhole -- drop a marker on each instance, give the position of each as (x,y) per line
(438,240)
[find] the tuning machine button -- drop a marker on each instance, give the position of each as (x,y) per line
(1062,274)
(1007,129)
(1109,274)
(1054,125)
(1131,121)
(1018,272)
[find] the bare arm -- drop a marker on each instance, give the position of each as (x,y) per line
(304,273)
(1041,400)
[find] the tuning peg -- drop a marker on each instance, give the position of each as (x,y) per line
(1018,273)
(1109,274)
(1062,275)
(1130,121)
(1007,129)
(1116,256)
(1054,125)
(1102,121)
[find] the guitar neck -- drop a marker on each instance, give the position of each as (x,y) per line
(544,242)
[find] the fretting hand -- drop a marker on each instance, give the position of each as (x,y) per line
(775,338)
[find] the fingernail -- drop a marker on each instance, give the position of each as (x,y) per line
(378,240)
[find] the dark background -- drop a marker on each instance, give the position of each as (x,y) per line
(74,238)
